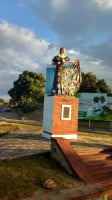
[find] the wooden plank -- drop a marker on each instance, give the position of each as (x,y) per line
(93,151)
(102,171)
(105,179)
(73,159)
(98,163)
(89,151)
(96,157)
(103,175)
(90,168)
(107,150)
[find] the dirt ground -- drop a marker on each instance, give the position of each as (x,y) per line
(37,116)
(22,142)
(28,141)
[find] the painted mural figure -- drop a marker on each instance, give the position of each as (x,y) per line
(67,78)
(96,109)
(106,106)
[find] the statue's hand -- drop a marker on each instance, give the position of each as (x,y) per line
(74,61)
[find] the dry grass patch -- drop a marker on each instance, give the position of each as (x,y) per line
(7,128)
(19,178)
(95,137)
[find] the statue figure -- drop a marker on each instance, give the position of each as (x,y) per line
(67,78)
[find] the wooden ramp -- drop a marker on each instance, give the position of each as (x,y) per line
(91,166)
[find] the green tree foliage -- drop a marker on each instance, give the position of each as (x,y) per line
(2,101)
(102,86)
(28,88)
(90,84)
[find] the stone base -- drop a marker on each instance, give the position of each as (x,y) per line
(57,155)
(60,117)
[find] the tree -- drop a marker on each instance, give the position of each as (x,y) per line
(102,86)
(2,101)
(91,84)
(28,88)
(88,83)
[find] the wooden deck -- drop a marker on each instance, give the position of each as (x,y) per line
(93,166)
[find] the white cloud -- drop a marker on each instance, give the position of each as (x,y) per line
(59,4)
(21,49)
(104,4)
(79,24)
(83,27)
(14,37)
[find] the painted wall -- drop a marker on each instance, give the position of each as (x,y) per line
(89,109)
(49,79)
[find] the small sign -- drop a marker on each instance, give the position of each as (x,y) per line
(82,114)
(66,112)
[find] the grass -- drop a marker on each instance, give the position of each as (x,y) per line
(19,178)
(100,198)
(101,118)
(7,128)
(103,197)
(95,135)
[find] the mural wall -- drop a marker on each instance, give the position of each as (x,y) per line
(95,106)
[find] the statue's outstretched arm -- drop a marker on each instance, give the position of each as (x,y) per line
(76,61)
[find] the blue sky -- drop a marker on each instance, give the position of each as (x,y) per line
(15,13)
(32,31)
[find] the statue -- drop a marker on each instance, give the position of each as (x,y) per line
(67,78)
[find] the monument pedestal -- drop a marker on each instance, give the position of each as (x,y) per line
(60,117)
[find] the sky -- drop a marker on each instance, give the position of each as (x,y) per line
(32,31)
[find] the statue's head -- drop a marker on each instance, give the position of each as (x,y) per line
(62,50)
